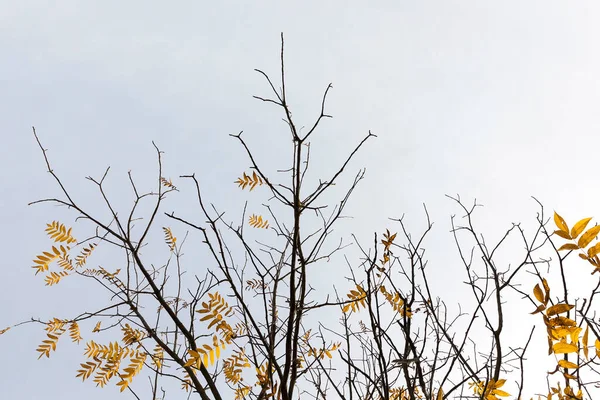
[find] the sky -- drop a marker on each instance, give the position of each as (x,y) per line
(496,101)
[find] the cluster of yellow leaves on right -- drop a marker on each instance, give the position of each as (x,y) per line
(591,255)
(563,331)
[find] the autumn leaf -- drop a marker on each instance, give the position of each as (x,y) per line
(538,293)
(558,309)
(250,181)
(568,246)
(588,236)
(567,364)
(547,289)
(440,395)
(594,250)
(539,308)
(562,234)
(560,223)
(564,348)
(256,221)
(579,227)
(585,342)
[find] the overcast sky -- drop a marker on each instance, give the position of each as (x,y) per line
(497,101)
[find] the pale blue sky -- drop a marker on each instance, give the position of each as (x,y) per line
(494,100)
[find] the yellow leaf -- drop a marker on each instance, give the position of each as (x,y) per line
(585,342)
(167,183)
(575,334)
(539,308)
(564,348)
(538,293)
(123,384)
(547,289)
(440,395)
(588,236)
(569,376)
(562,333)
(567,364)
(558,309)
(562,234)
(561,321)
(568,246)
(250,181)
(499,383)
(560,223)
(256,221)
(594,250)
(579,227)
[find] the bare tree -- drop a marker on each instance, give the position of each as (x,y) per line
(249,324)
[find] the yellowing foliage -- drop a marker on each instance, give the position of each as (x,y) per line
(357,300)
(564,334)
(167,183)
(74,332)
(214,312)
(131,336)
(135,366)
(81,259)
(49,344)
(250,181)
(491,390)
(256,221)
(401,393)
(206,354)
(170,240)
(105,362)
(233,366)
(324,352)
(387,241)
(396,301)
(42,262)
(263,376)
(586,238)
(54,277)
(60,233)
(158,357)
